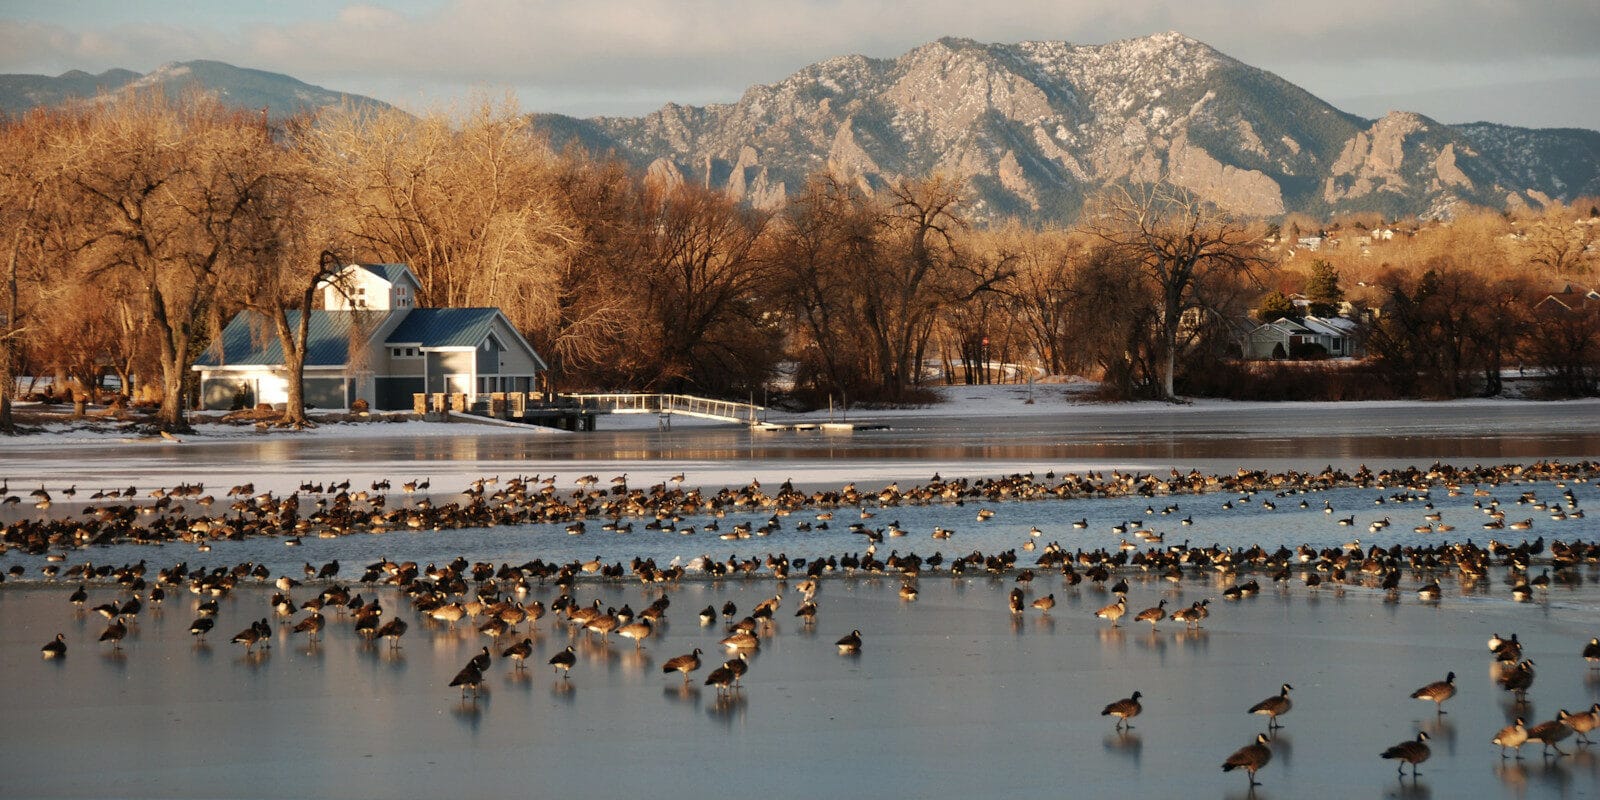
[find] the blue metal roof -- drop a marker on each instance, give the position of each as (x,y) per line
(249,339)
(444,327)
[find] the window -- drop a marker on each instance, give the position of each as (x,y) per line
(404,352)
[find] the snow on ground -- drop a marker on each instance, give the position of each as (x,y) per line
(987,401)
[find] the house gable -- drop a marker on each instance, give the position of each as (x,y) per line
(378,287)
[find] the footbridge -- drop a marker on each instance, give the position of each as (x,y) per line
(667,404)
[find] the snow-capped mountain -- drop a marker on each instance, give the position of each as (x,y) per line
(1035,127)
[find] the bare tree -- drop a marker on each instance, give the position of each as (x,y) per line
(1557,242)
(703,272)
(1180,244)
(170,183)
(827,234)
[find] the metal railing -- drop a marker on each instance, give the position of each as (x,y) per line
(687,405)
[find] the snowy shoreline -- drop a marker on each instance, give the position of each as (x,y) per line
(994,401)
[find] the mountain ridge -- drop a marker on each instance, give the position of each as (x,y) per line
(1034,127)
(1037,126)
(280,94)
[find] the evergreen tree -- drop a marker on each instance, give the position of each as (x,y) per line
(1274,306)
(1322,289)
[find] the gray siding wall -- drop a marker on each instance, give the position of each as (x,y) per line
(513,360)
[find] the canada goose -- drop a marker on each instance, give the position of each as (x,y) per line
(1412,751)
(638,631)
(741,641)
(908,592)
(722,677)
(686,663)
(603,624)
(518,653)
(1591,653)
(1548,733)
(738,665)
(202,626)
(850,643)
(1153,615)
(251,636)
(311,626)
(1509,650)
(1274,706)
(114,634)
(1583,722)
(564,660)
(1044,604)
(1114,611)
(1192,615)
(470,678)
(1519,679)
(55,648)
(1014,601)
(481,660)
(1125,709)
(1438,692)
(1250,758)
(708,616)
(807,613)
(393,630)
(450,613)
(79,597)
(1513,736)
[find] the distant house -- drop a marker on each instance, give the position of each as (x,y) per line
(1337,336)
(370,341)
(1570,297)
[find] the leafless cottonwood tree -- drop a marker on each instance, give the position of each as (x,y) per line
(170,183)
(1180,244)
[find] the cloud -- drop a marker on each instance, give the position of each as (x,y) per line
(599,52)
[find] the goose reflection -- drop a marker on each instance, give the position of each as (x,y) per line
(1194,638)
(1441,731)
(564,690)
(1282,746)
(1415,789)
(728,707)
(1125,743)
(686,693)
(1514,774)
(469,711)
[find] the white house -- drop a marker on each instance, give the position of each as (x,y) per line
(1339,337)
(370,341)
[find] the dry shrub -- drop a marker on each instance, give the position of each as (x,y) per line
(1290,381)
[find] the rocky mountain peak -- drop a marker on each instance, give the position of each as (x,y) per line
(1034,127)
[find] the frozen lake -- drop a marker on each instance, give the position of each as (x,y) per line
(952,696)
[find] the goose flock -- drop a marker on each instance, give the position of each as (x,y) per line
(537,609)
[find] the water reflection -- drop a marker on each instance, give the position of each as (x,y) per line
(1514,776)
(729,707)
(1414,789)
(1441,731)
(564,690)
(1282,747)
(685,692)
(470,710)
(1126,744)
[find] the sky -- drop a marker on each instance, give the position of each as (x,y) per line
(1532,63)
